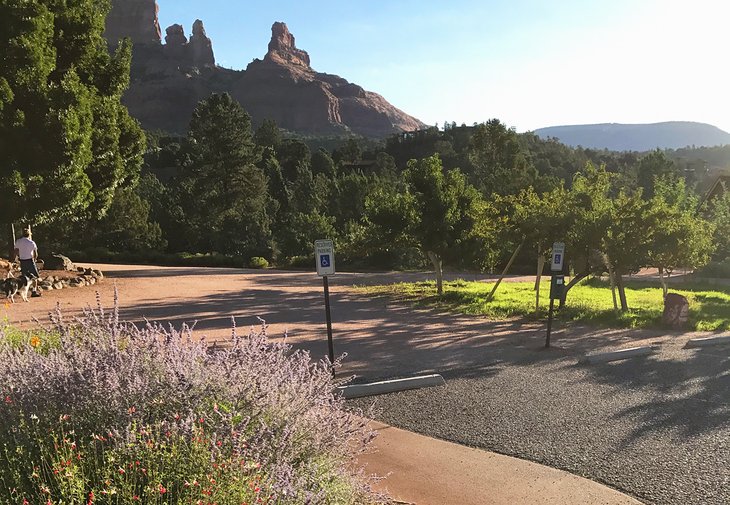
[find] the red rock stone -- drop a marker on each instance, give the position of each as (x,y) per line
(201,46)
(676,311)
(168,82)
(136,19)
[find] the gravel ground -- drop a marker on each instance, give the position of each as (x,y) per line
(656,427)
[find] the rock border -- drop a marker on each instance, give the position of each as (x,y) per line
(707,341)
(84,277)
(605,357)
(390,386)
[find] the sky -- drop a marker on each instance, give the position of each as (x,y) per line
(529,63)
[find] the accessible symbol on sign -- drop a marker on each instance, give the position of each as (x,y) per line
(324,260)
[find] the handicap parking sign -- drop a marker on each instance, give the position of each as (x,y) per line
(324,252)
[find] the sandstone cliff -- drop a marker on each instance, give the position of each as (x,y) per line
(169,79)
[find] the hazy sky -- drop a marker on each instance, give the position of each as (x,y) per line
(529,63)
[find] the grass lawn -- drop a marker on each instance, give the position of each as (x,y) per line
(588,302)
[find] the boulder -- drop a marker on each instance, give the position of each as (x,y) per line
(60,262)
(676,311)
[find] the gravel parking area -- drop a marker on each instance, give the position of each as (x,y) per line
(656,427)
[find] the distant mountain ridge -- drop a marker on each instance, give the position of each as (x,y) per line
(638,137)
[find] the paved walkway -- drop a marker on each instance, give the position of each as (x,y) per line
(427,471)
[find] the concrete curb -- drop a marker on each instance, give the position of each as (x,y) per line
(708,341)
(605,357)
(391,386)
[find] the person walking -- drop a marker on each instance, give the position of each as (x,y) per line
(27,251)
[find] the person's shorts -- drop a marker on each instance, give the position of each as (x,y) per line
(29,269)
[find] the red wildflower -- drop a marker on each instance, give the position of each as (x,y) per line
(162,489)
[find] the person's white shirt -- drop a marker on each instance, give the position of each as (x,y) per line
(26,247)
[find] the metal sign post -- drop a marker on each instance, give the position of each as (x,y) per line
(324,254)
(557,284)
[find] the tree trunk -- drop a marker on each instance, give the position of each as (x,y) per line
(436,261)
(573,281)
(506,269)
(612,279)
(11,249)
(663,281)
(621,293)
(538,277)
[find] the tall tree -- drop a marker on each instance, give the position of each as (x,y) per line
(682,238)
(651,167)
(628,239)
(447,209)
(226,193)
(591,200)
(66,140)
(542,220)
(498,162)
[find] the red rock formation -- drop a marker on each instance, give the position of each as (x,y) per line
(283,87)
(136,19)
(282,47)
(169,80)
(201,46)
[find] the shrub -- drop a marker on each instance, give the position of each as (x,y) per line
(115,413)
(303,262)
(258,262)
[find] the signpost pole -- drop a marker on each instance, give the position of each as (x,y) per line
(550,321)
(556,284)
(324,255)
(329,323)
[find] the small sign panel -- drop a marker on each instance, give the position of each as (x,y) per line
(558,256)
(324,255)
(557,286)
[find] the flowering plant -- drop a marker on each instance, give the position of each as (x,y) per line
(118,413)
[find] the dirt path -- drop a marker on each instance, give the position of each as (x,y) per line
(381,339)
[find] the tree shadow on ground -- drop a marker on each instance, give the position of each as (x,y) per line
(686,390)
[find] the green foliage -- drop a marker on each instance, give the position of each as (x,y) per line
(127,226)
(268,135)
(718,213)
(297,239)
(223,192)
(681,238)
(258,262)
(67,141)
(651,167)
(500,166)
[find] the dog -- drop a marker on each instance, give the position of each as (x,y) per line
(11,286)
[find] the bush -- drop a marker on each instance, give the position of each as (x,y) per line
(113,413)
(258,262)
(302,262)
(715,269)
